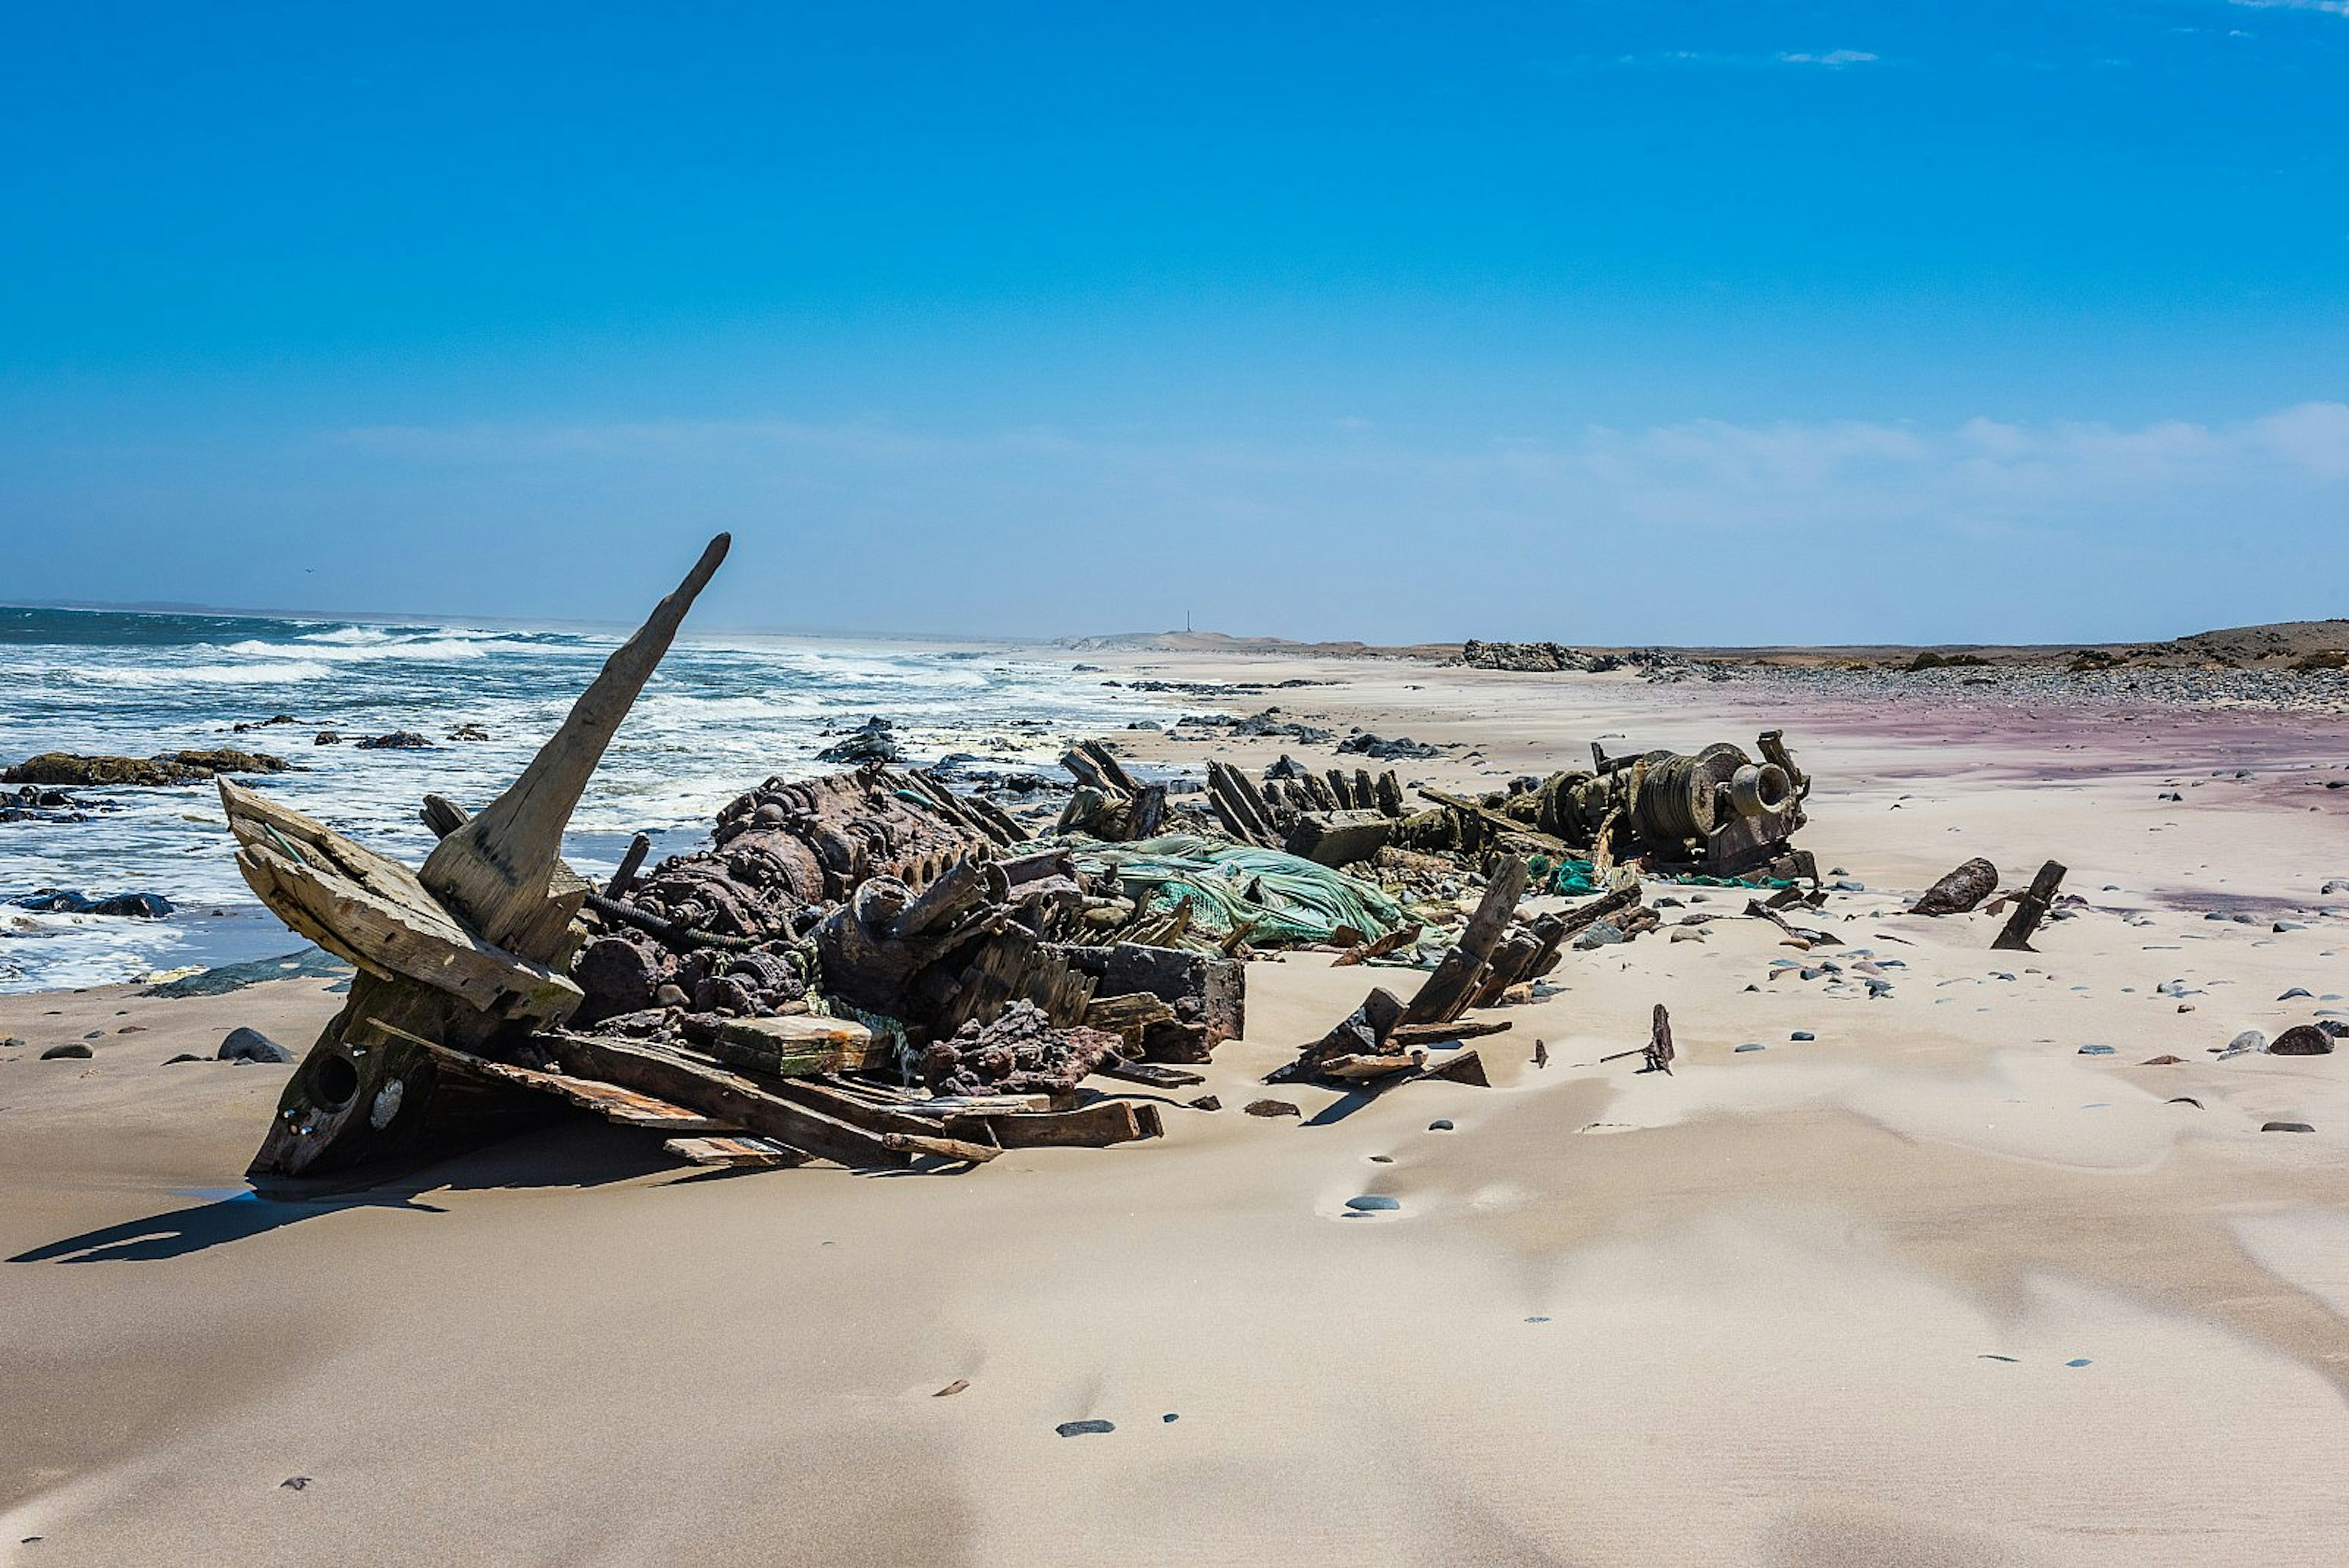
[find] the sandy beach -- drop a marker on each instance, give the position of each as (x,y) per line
(1916,1282)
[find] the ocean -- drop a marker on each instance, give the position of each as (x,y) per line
(721,714)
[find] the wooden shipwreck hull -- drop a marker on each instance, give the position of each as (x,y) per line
(905,899)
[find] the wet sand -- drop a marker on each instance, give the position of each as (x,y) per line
(1933,1287)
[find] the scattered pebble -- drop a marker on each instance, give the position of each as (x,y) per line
(1374,1203)
(2079,1361)
(957,1387)
(2286,1127)
(1802,1034)
(73,1050)
(2096,1050)
(2295,991)
(1171,1417)
(1207,1103)
(1749,1048)
(2184,1100)
(1536,1319)
(183,1056)
(1987,1356)
(1441,1124)
(294,1483)
(2163,1061)
(1083,1429)
(1271,1109)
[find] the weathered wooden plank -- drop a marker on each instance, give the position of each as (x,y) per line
(963,1149)
(375,912)
(1430,1033)
(1353,1067)
(727,1096)
(610,1101)
(748,1153)
(1097,1125)
(798,1045)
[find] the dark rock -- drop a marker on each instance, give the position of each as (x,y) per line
(1374,1203)
(71,768)
(1802,1034)
(1271,1109)
(1598,934)
(309,963)
(468,732)
(2301,1039)
(71,1051)
(1403,747)
(251,1045)
(65,901)
(326,738)
(1441,1124)
(1207,1103)
(1084,1429)
(2162,1061)
(2096,1050)
(15,1042)
(870,741)
(182,1056)
(2286,1127)
(397,740)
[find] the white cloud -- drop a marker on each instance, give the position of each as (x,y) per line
(1832,57)
(2330,7)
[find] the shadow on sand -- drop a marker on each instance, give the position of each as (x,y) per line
(572,1155)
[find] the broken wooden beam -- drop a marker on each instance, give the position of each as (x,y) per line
(500,869)
(1447,992)
(2030,909)
(717,1093)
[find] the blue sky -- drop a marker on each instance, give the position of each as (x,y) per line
(1672,321)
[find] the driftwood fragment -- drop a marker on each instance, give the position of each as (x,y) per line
(1960,891)
(2030,909)
(1154,1074)
(1394,941)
